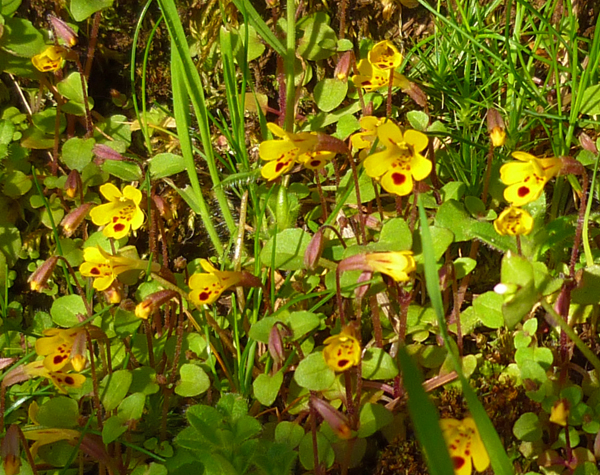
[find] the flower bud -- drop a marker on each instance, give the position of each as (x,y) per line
(40,277)
(314,250)
(114,293)
(570,166)
(276,345)
(343,66)
(337,421)
(62,30)
(360,291)
(496,128)
(73,184)
(559,414)
(73,220)
(330,144)
(153,302)
(11,460)
(118,98)
(104,152)
(587,143)
(78,351)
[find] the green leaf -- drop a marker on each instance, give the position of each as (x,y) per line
(528,427)
(319,40)
(83,9)
(377,364)
(266,387)
(395,236)
(590,103)
(10,243)
(113,388)
(77,153)
(9,7)
(329,93)
(194,381)
(586,292)
(60,411)
(452,215)
(346,126)
(21,38)
(72,89)
(46,121)
(517,271)
(16,184)
(113,428)
(255,46)
(464,266)
(324,451)
(132,407)
(289,433)
(488,307)
(126,171)
(144,381)
(372,418)
(418,120)
(65,310)
(424,417)
(286,249)
(165,164)
(314,374)
(206,421)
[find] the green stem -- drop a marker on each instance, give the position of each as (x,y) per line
(290,57)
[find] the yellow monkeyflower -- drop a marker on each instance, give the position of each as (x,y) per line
(50,436)
(385,56)
(61,379)
(121,214)
(513,222)
(281,155)
(559,414)
(527,177)
(401,161)
(342,351)
(206,288)
(398,265)
(61,346)
(51,59)
(465,445)
(105,267)
(365,139)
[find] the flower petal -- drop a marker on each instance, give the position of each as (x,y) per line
(420,167)
(276,168)
(205,288)
(379,163)
(111,192)
(398,181)
(102,214)
(133,194)
(417,139)
(274,149)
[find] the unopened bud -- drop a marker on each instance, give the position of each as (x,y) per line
(360,291)
(249,280)
(114,293)
(337,421)
(62,30)
(314,250)
(161,206)
(570,166)
(11,460)
(119,99)
(496,127)
(343,66)
(559,414)
(276,345)
(78,351)
(587,143)
(330,144)
(39,278)
(153,302)
(73,220)
(73,184)
(104,152)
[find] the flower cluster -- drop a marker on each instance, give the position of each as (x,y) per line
(281,155)
(342,351)
(401,162)
(465,445)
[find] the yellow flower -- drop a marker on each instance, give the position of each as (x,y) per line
(527,177)
(206,288)
(465,445)
(60,379)
(371,78)
(513,221)
(559,414)
(105,267)
(398,265)
(281,155)
(401,161)
(365,139)
(51,59)
(385,56)
(50,436)
(342,351)
(121,214)
(60,346)
(498,136)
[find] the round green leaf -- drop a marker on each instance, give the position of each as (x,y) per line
(113,428)
(266,387)
(124,170)
(77,153)
(324,451)
(21,38)
(377,364)
(163,165)
(372,418)
(82,9)
(528,427)
(64,310)
(289,433)
(113,388)
(60,411)
(329,93)
(488,307)
(313,373)
(418,120)
(290,246)
(194,381)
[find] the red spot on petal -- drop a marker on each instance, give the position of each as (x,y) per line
(523,191)
(315,163)
(467,452)
(69,380)
(95,271)
(115,219)
(398,178)
(119,227)
(280,166)
(204,295)
(342,363)
(458,462)
(58,359)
